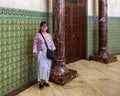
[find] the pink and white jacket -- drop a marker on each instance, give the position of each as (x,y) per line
(39,43)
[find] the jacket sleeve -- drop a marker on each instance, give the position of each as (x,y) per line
(35,44)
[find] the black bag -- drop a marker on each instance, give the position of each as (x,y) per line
(50,54)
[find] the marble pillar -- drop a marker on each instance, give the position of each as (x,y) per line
(103,55)
(60,74)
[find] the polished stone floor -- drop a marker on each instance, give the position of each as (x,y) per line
(95,79)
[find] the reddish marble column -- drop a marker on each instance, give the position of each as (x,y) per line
(58,21)
(60,74)
(103,27)
(103,55)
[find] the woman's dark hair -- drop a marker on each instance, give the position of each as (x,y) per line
(41,24)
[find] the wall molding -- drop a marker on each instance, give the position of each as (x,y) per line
(4,11)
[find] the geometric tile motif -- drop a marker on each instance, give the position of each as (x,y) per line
(17,30)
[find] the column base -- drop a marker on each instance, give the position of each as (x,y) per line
(61,75)
(103,59)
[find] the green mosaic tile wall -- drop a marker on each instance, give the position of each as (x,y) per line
(92,35)
(17,30)
(113,35)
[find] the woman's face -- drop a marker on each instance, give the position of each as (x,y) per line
(44,27)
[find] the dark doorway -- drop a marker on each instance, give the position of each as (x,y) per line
(75,30)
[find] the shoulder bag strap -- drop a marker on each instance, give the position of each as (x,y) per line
(44,40)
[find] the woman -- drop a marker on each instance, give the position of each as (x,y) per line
(39,49)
